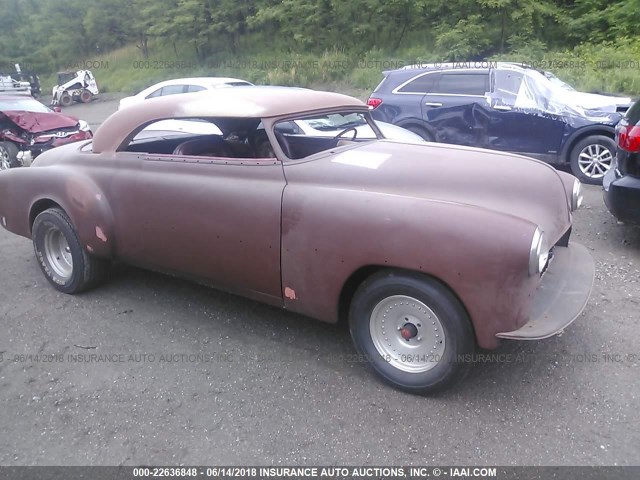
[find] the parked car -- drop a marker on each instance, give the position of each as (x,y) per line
(622,182)
(326,127)
(28,128)
(423,248)
(182,85)
(509,108)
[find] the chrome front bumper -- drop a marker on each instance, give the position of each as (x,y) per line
(561,296)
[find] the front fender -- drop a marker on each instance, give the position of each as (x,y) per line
(25,192)
(482,255)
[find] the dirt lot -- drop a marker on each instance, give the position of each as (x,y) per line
(242,383)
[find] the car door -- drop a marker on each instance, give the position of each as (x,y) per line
(213,218)
(530,130)
(448,108)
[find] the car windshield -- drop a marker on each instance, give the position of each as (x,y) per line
(232,84)
(556,81)
(309,135)
(23,104)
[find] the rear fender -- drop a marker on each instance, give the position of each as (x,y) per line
(26,192)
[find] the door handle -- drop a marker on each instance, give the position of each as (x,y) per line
(503,108)
(432,104)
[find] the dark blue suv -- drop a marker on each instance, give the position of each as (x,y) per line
(503,106)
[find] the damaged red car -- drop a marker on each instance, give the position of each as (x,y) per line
(28,128)
(428,250)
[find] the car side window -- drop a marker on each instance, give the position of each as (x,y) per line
(173,89)
(194,88)
(155,93)
(425,83)
(463,83)
(204,138)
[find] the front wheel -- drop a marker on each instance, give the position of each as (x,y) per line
(8,156)
(592,157)
(414,332)
(67,266)
(65,99)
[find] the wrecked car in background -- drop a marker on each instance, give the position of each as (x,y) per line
(11,86)
(27,128)
(422,247)
(507,107)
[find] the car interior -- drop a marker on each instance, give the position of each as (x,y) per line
(232,138)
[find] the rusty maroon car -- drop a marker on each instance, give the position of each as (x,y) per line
(429,250)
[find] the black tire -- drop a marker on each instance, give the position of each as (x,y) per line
(86,271)
(86,96)
(596,142)
(65,99)
(8,155)
(451,366)
(421,132)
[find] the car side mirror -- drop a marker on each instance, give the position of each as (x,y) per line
(57,109)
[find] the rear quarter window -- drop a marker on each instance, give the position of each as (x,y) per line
(424,83)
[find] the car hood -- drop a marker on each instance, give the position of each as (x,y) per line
(510,184)
(36,122)
(594,101)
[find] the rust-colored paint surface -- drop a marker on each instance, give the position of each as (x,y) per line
(292,233)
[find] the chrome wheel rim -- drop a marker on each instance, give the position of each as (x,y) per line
(58,253)
(594,160)
(407,334)
(5,161)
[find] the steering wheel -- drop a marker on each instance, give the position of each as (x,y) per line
(355,133)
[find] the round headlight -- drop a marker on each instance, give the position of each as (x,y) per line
(538,255)
(576,195)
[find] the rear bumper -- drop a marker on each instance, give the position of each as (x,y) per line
(622,196)
(561,296)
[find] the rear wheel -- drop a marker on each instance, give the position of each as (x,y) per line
(413,331)
(67,266)
(8,155)
(86,96)
(592,157)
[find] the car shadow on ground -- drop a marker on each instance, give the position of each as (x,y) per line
(254,327)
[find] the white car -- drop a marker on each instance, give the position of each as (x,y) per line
(296,127)
(182,85)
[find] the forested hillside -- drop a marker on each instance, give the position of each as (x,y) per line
(592,42)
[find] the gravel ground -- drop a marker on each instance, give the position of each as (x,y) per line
(242,383)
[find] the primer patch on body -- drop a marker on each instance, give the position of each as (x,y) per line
(290,293)
(100,234)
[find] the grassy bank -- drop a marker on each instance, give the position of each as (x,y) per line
(604,68)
